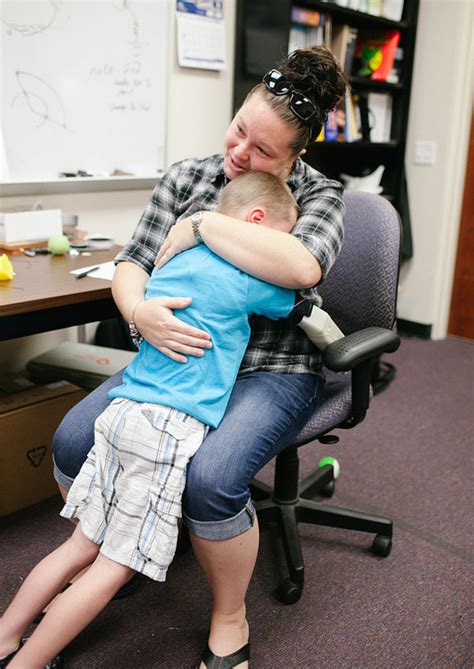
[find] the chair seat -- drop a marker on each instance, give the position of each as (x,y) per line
(334,410)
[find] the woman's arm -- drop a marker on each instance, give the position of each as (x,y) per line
(298,260)
(268,254)
(154,318)
(273,256)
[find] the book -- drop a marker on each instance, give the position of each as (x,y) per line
(343,45)
(320,137)
(297,37)
(350,51)
(392,9)
(380,115)
(328,31)
(352,128)
(395,74)
(306,17)
(308,28)
(331,130)
(340,38)
(374,7)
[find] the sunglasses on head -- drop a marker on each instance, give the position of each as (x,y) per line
(300,105)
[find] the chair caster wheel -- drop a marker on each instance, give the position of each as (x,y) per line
(289,592)
(329,460)
(382,545)
(328,490)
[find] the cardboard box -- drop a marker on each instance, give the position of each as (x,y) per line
(83,364)
(17,227)
(29,416)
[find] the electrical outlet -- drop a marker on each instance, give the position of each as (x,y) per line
(425,153)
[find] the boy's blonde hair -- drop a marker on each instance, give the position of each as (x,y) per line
(257,189)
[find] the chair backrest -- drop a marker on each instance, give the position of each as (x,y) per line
(361,289)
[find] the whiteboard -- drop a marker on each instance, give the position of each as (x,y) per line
(83,87)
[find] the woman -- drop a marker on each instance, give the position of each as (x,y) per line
(280,382)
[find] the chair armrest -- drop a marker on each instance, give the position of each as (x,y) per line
(358,352)
(350,351)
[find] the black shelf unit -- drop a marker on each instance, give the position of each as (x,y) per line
(262,39)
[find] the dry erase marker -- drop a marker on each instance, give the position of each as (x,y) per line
(86,272)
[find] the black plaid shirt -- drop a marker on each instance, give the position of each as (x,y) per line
(195,184)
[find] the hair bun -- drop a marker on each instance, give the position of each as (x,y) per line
(316,73)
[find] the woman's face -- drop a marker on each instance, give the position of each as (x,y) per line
(257,140)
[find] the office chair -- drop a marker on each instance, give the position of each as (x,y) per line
(360,295)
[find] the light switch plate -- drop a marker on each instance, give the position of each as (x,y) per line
(425,153)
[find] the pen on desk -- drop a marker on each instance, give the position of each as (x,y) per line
(86,272)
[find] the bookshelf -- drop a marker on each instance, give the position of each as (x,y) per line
(264,34)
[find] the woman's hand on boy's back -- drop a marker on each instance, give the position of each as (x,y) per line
(157,323)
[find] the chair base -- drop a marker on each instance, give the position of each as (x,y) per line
(288,504)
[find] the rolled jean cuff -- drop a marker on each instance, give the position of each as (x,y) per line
(61,479)
(220,530)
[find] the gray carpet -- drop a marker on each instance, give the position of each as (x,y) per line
(411,460)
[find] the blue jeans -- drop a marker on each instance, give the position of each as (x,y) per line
(265,412)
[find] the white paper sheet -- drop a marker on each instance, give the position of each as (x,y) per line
(104,271)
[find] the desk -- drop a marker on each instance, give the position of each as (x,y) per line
(44,296)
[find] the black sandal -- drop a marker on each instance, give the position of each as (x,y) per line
(5,660)
(227,661)
(56,663)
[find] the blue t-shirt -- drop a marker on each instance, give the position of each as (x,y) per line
(223,299)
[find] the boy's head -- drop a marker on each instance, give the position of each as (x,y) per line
(260,198)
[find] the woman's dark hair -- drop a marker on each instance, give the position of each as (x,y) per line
(316,73)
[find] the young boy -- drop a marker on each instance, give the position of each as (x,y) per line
(127,496)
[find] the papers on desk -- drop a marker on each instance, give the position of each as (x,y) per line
(201,34)
(104,271)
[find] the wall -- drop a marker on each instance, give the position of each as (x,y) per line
(199,109)
(200,102)
(440,111)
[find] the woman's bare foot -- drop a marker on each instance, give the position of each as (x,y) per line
(228,634)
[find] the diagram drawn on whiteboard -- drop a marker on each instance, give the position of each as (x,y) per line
(50,10)
(40,99)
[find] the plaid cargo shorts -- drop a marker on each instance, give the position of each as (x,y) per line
(128,493)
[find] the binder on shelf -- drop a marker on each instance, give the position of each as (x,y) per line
(343,45)
(380,113)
